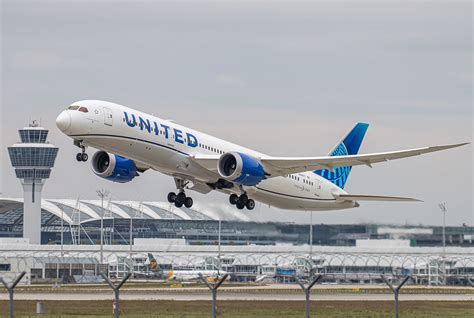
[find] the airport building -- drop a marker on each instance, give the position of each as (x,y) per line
(79,222)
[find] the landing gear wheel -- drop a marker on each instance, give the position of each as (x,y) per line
(172,197)
(240,205)
(233,198)
(244,198)
(79,157)
(84,156)
(188,202)
(181,197)
(250,204)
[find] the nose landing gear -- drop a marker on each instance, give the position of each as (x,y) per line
(81,156)
(242,201)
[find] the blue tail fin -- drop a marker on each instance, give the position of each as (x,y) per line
(348,146)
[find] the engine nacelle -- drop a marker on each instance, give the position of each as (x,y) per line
(113,167)
(240,168)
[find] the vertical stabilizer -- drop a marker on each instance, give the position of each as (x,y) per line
(350,145)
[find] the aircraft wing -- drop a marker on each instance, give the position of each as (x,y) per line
(207,161)
(280,166)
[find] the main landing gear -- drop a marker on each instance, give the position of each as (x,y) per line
(242,201)
(82,156)
(180,199)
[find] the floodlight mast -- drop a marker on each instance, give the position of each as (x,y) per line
(102,194)
(442,207)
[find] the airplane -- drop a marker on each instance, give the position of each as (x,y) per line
(131,142)
(180,274)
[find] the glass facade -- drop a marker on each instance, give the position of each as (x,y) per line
(33,135)
(30,173)
(32,156)
(195,215)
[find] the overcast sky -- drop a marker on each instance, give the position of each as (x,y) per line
(287,79)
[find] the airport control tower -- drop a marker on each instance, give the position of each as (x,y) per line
(32,159)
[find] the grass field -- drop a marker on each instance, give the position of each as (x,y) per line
(234,309)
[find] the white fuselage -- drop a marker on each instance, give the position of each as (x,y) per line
(168,147)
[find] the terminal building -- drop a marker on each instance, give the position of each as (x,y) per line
(78,222)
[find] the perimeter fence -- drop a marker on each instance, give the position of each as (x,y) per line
(85,266)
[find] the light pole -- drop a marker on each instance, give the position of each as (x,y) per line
(442,207)
(102,194)
(131,237)
(62,232)
(311,235)
(219,240)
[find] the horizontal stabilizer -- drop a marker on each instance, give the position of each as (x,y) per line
(358,197)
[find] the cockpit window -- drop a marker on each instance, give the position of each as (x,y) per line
(73,107)
(83,109)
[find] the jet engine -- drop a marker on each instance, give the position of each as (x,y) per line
(240,169)
(113,167)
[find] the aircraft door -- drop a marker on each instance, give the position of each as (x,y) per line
(108,117)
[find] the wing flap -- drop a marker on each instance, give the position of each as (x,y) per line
(362,197)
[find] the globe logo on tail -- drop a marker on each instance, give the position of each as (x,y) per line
(339,176)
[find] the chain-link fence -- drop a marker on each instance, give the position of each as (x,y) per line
(81,265)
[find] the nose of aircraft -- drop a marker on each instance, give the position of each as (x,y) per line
(63,121)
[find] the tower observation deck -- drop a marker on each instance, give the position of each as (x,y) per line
(32,159)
